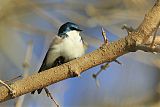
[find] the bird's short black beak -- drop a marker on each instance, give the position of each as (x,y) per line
(79,29)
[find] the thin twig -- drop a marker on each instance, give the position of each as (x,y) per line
(145,48)
(25,65)
(128,29)
(8,87)
(103,67)
(50,95)
(118,62)
(13,78)
(104,36)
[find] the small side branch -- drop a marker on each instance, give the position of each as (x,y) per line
(145,48)
(103,67)
(12,92)
(104,36)
(128,29)
(106,65)
(13,79)
(50,95)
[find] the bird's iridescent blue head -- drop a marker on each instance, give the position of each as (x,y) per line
(69,26)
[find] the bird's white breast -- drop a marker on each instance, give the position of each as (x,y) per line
(70,48)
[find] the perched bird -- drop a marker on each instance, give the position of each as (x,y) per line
(66,46)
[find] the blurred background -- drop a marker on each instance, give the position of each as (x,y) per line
(28,26)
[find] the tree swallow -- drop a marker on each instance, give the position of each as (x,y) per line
(66,46)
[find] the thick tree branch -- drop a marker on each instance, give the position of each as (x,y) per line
(156,41)
(106,53)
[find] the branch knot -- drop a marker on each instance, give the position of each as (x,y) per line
(73,72)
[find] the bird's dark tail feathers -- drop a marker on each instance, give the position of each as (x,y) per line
(60,60)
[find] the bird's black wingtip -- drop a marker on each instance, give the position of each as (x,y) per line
(39,91)
(32,92)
